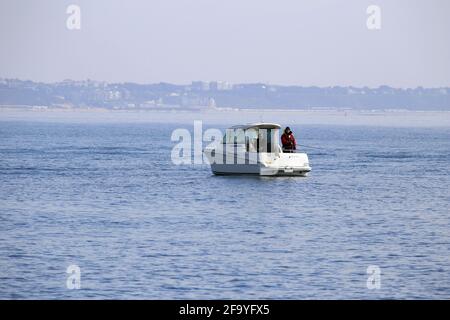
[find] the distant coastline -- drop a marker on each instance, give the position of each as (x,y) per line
(222,103)
(215,95)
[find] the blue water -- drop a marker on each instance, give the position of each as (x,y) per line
(108,199)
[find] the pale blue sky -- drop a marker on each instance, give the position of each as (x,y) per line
(317,42)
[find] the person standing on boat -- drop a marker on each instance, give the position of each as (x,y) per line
(288,140)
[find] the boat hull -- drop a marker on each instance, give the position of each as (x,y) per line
(258,169)
(225,169)
(262,164)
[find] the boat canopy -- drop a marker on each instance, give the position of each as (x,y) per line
(259,125)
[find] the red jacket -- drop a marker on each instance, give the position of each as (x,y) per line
(288,141)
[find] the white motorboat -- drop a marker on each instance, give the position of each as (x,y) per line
(255,149)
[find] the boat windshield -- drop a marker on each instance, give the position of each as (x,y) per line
(251,140)
(268,140)
(234,136)
(255,139)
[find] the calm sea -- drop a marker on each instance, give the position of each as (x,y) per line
(107,198)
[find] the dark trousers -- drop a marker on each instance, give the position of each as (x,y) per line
(288,150)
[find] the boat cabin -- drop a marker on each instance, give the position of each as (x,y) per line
(256,137)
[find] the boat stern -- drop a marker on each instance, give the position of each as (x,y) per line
(287,164)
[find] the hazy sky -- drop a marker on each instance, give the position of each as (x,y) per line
(316,42)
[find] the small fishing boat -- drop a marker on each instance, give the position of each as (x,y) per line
(255,149)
